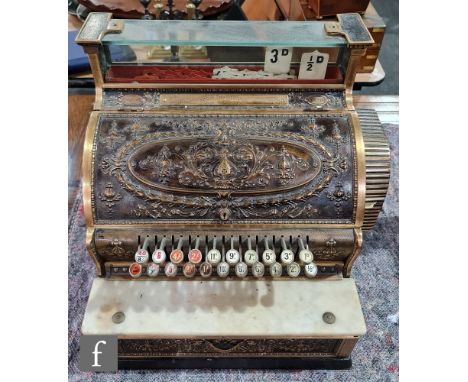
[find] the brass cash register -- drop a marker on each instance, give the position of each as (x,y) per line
(227,181)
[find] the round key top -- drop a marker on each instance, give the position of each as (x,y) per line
(142,254)
(152,270)
(250,256)
(258,269)
(222,269)
(241,269)
(177,256)
(287,256)
(214,256)
(276,270)
(232,255)
(206,269)
(170,269)
(159,254)
(293,269)
(305,255)
(195,255)
(189,269)
(310,270)
(268,255)
(135,270)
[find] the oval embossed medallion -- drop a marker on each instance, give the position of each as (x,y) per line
(224,164)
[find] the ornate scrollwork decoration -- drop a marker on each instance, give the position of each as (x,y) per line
(227,347)
(339,196)
(198,168)
(109,197)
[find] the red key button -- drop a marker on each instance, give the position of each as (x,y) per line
(189,269)
(206,269)
(195,256)
(135,270)
(177,256)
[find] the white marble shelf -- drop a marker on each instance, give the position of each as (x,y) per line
(178,309)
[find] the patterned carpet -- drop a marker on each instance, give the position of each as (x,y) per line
(375,357)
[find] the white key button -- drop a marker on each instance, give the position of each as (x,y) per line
(213,255)
(287,256)
(241,269)
(232,256)
(222,269)
(250,257)
(305,255)
(258,269)
(293,269)
(310,270)
(268,256)
(276,270)
(159,256)
(170,269)
(153,270)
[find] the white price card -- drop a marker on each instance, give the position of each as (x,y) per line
(278,60)
(313,66)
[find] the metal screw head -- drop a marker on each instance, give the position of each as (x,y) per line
(118,317)
(329,317)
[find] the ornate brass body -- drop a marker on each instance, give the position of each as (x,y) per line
(231,161)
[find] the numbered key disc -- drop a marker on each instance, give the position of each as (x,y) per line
(170,269)
(232,256)
(258,269)
(222,269)
(177,256)
(276,270)
(195,256)
(189,269)
(214,256)
(306,256)
(250,257)
(241,269)
(141,256)
(152,270)
(159,256)
(135,270)
(268,256)
(310,270)
(293,269)
(206,269)
(287,256)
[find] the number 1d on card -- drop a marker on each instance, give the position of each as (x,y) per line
(313,66)
(278,60)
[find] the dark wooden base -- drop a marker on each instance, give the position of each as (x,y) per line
(236,363)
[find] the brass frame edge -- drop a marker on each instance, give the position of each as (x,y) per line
(156,85)
(90,246)
(86,168)
(347,268)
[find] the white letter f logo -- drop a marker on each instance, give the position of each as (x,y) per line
(96,352)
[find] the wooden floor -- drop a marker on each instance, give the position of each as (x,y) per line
(79,107)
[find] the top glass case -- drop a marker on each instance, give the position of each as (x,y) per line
(223,52)
(224,33)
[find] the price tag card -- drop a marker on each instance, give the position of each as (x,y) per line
(313,66)
(278,60)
